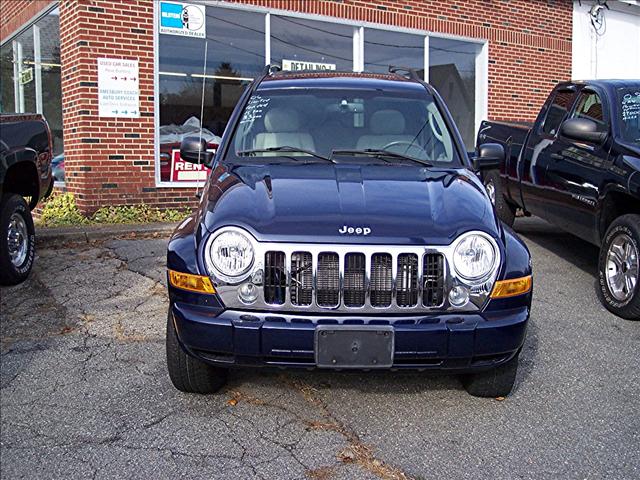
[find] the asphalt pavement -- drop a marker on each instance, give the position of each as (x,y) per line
(84,391)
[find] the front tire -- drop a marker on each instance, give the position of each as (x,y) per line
(619,269)
(189,374)
(493,184)
(497,382)
(17,240)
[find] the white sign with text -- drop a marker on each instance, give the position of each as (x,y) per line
(118,88)
(297,65)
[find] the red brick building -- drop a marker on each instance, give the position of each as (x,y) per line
(488,58)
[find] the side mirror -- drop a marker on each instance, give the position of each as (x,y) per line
(194,150)
(582,130)
(490,156)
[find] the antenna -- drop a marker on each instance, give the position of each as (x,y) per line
(204,81)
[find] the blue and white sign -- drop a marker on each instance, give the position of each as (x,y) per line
(184,19)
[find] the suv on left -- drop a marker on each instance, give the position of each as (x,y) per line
(25,179)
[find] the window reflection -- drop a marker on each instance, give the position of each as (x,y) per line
(452,71)
(310,41)
(384,48)
(50,76)
(7,98)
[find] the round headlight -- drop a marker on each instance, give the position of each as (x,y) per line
(474,257)
(230,254)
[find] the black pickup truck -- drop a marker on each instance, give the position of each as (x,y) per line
(25,172)
(578,167)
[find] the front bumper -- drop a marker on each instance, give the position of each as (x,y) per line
(450,342)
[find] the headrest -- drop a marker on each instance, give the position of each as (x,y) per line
(281,120)
(387,122)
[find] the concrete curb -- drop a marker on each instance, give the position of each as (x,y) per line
(87,233)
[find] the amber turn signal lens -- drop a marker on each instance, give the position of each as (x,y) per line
(511,288)
(193,283)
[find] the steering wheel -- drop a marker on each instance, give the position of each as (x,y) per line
(410,145)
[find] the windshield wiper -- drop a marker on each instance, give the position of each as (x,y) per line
(380,153)
(284,148)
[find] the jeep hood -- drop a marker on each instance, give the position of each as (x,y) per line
(401,205)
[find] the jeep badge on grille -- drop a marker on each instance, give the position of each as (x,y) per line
(346,230)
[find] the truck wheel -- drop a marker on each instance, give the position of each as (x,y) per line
(17,240)
(187,373)
(493,184)
(619,268)
(497,382)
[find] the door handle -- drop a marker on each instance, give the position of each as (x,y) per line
(557,156)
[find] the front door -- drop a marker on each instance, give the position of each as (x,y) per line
(575,170)
(540,144)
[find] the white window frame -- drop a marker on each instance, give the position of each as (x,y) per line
(481,63)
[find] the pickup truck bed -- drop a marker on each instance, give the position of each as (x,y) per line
(512,136)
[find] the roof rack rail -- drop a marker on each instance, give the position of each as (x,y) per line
(410,72)
(271,68)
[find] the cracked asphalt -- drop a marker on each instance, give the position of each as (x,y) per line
(84,391)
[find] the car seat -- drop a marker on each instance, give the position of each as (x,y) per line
(386,126)
(282,128)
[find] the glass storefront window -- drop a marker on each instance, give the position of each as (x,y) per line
(7,100)
(452,71)
(237,42)
(23,46)
(383,48)
(235,56)
(30,74)
(49,27)
(308,41)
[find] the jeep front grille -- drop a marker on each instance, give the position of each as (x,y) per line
(275,278)
(332,280)
(301,279)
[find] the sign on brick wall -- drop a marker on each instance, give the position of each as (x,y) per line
(183,19)
(118,88)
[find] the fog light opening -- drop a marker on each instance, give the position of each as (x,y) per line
(247,292)
(458,296)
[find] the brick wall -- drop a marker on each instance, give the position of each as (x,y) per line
(14,14)
(110,161)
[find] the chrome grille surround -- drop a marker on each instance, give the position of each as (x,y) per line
(300,297)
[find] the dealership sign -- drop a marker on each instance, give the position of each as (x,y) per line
(296,65)
(118,88)
(184,19)
(182,171)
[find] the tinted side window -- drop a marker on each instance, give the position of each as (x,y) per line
(590,106)
(557,111)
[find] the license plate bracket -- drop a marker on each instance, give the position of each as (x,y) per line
(354,346)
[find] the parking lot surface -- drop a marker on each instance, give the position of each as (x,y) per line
(84,391)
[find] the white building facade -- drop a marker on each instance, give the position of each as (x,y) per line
(606,39)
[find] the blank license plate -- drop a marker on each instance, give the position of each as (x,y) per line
(347,346)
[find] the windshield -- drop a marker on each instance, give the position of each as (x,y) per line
(629,105)
(342,125)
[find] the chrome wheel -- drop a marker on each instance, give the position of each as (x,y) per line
(17,240)
(491,191)
(622,269)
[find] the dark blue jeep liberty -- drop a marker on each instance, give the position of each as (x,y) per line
(344,226)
